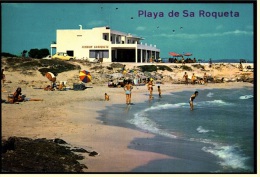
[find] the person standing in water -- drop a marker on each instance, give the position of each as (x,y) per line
(150,88)
(159,91)
(128,87)
(193,96)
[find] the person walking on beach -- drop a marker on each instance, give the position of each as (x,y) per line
(160,92)
(128,88)
(185,76)
(193,96)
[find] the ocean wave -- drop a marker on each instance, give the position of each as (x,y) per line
(245,97)
(214,103)
(166,106)
(200,129)
(141,120)
(230,156)
(210,94)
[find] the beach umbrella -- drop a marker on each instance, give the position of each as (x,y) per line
(175,54)
(84,76)
(50,76)
(188,54)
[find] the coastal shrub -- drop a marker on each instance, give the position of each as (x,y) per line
(187,68)
(38,53)
(199,66)
(59,67)
(97,67)
(109,68)
(148,68)
(163,67)
(4,54)
(116,65)
(43,66)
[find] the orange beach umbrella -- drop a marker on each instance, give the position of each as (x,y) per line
(50,76)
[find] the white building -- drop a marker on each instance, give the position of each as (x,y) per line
(103,43)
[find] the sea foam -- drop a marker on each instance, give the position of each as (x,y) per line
(229,156)
(210,94)
(200,129)
(141,120)
(245,97)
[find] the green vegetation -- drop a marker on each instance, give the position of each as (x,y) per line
(36,53)
(43,66)
(4,54)
(148,68)
(199,66)
(151,68)
(163,67)
(116,65)
(187,68)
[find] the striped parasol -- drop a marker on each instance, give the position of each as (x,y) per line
(84,76)
(50,76)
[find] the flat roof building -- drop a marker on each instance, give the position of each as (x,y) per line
(103,43)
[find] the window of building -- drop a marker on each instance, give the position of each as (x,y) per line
(105,36)
(98,54)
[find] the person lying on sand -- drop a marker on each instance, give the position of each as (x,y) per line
(48,88)
(18,97)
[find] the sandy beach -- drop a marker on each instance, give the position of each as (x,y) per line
(72,116)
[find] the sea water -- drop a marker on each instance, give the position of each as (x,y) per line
(222,119)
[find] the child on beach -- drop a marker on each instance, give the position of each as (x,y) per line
(193,96)
(128,87)
(160,92)
(106,97)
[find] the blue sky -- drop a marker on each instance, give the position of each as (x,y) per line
(27,26)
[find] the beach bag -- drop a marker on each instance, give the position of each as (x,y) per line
(79,87)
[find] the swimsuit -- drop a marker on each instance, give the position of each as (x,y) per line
(127,92)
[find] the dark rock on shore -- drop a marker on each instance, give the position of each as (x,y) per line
(40,155)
